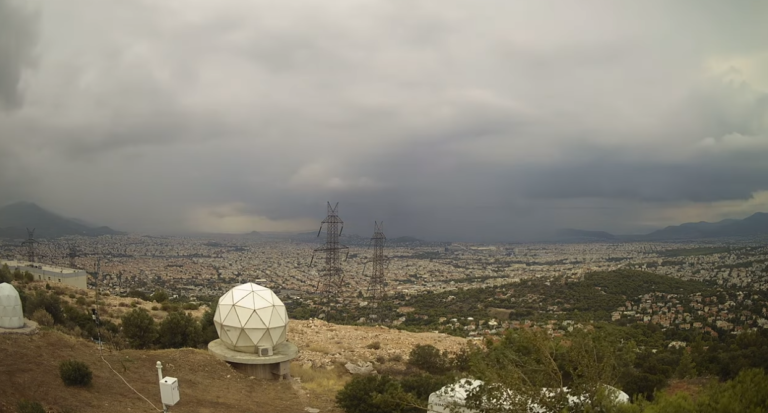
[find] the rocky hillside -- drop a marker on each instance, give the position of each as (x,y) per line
(29,366)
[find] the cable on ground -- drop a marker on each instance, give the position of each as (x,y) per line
(131,387)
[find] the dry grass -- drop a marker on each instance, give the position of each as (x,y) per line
(29,370)
(110,307)
(499,313)
(318,348)
(691,386)
(324,382)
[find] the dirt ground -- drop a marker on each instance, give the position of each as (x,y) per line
(323,344)
(29,370)
(29,367)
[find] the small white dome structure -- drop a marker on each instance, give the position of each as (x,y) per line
(11,314)
(250,316)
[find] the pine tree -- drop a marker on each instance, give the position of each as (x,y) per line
(687,368)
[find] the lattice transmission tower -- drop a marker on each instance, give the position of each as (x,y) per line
(30,243)
(376,284)
(331,279)
(73,254)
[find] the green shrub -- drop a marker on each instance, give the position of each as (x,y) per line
(169,307)
(155,308)
(75,373)
(138,294)
(139,328)
(429,359)
(190,306)
(375,394)
(5,274)
(374,346)
(160,296)
(49,302)
(26,406)
(179,330)
(80,301)
(207,327)
(42,318)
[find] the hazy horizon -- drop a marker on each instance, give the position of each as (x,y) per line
(450,120)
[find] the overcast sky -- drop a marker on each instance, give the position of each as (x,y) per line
(461,120)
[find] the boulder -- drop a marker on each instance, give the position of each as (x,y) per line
(360,368)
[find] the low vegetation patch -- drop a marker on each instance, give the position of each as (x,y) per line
(26,406)
(319,348)
(324,381)
(75,373)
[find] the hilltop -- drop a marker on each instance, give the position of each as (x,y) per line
(17,217)
(754,225)
(207,384)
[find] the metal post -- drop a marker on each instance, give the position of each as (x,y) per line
(160,378)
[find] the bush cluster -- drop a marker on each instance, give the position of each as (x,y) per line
(75,373)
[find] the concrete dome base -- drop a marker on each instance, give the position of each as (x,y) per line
(30,327)
(276,366)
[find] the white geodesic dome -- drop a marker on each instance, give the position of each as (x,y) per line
(249,316)
(11,314)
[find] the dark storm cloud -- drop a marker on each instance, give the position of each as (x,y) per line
(503,120)
(648,182)
(18,37)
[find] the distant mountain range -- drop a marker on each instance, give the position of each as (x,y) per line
(16,218)
(753,226)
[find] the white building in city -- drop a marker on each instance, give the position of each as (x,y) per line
(51,274)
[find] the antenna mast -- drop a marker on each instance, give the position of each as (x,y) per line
(331,279)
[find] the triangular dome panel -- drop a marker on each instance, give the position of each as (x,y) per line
(243,314)
(224,310)
(268,295)
(255,322)
(276,321)
(265,314)
(256,334)
(266,340)
(259,301)
(232,320)
(276,333)
(226,298)
(282,312)
(233,333)
(238,295)
(244,340)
